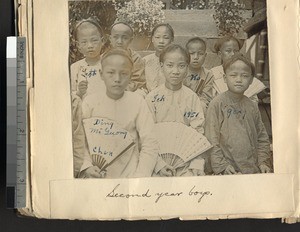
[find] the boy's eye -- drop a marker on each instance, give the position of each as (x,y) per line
(182,66)
(169,65)
(245,75)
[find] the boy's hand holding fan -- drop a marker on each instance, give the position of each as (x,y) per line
(106,141)
(179,144)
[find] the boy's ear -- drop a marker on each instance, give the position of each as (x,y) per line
(104,39)
(161,64)
(101,72)
(109,38)
(152,39)
(224,77)
(78,46)
(251,80)
(219,54)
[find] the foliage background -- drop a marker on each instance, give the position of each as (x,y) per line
(228,17)
(141,15)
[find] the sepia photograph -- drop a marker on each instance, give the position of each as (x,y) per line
(156,110)
(162,109)
(169,88)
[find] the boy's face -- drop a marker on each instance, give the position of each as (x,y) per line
(121,36)
(161,38)
(197,53)
(174,68)
(116,73)
(228,49)
(89,41)
(238,77)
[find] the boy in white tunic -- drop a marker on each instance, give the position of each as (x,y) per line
(173,102)
(85,73)
(234,126)
(130,111)
(85,78)
(162,35)
(121,36)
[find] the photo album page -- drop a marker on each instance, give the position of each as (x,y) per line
(162,109)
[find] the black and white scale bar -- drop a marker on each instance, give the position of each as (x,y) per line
(16,123)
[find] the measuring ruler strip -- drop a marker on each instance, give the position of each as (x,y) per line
(16,123)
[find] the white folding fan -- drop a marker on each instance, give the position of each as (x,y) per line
(179,143)
(106,140)
(256,87)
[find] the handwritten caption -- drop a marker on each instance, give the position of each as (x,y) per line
(102,127)
(160,196)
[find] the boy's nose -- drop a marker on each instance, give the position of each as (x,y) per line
(232,53)
(195,57)
(117,78)
(119,40)
(175,70)
(238,78)
(90,44)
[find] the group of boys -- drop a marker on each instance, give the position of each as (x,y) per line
(113,85)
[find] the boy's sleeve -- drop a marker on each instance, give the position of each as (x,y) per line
(137,80)
(263,143)
(149,146)
(208,92)
(151,106)
(198,124)
(197,115)
(74,72)
(87,161)
(160,162)
(86,113)
(78,134)
(212,132)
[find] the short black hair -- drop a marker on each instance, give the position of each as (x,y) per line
(195,39)
(172,48)
(90,20)
(224,39)
(241,57)
(124,23)
(116,51)
(163,25)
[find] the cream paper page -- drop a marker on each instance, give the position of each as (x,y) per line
(285,84)
(55,194)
